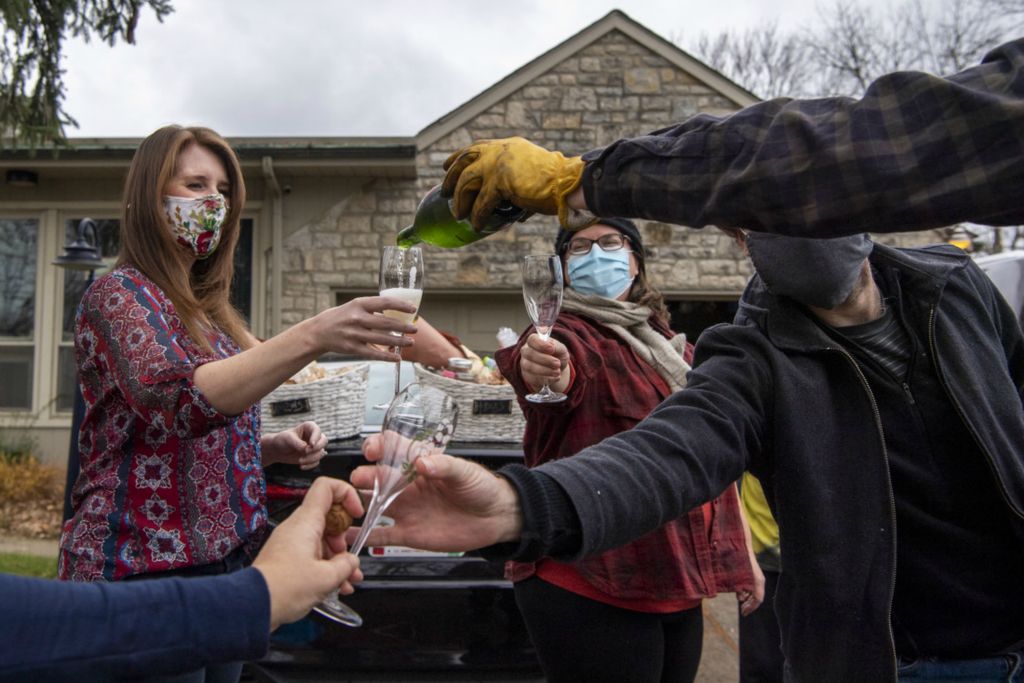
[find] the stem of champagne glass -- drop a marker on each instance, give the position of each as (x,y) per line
(378,504)
(544,390)
(398,371)
(370,519)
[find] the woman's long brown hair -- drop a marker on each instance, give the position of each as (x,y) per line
(200,294)
(644,293)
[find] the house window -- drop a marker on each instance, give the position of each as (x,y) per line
(241,283)
(75,282)
(18,240)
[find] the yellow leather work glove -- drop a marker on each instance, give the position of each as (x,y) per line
(481,176)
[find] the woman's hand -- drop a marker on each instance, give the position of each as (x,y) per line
(750,600)
(304,445)
(356,328)
(543,362)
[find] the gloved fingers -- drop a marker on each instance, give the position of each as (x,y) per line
(471,149)
(452,157)
(454,165)
(466,191)
(485,202)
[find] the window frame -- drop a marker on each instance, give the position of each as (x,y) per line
(33,341)
(58,341)
(49,299)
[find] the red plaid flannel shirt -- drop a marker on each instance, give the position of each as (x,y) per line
(612,390)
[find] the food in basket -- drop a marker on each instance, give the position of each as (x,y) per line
(314,371)
(338,520)
(471,369)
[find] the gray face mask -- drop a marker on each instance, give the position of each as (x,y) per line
(816,272)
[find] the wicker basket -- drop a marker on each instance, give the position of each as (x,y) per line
(487,412)
(335,403)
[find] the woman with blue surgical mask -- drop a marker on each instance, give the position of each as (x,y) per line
(632,613)
(599,261)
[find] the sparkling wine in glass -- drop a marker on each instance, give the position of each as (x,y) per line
(401,276)
(420,421)
(542,292)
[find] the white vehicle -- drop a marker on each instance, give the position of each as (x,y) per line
(1006,271)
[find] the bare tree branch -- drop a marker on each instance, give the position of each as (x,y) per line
(763,60)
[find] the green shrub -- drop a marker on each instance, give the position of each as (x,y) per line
(16,440)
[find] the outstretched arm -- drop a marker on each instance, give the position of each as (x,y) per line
(55,630)
(917,151)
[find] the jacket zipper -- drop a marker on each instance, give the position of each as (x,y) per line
(963,416)
(892,501)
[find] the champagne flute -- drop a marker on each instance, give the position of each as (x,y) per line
(401,277)
(420,421)
(542,292)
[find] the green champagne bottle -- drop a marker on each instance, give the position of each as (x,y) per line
(435,224)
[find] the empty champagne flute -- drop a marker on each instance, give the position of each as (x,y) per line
(420,421)
(542,292)
(401,276)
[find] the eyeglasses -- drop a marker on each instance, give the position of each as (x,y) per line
(613,241)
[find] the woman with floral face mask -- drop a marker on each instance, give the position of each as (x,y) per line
(632,613)
(172,456)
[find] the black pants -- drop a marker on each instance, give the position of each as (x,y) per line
(761,659)
(578,639)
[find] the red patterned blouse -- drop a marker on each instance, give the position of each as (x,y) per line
(166,480)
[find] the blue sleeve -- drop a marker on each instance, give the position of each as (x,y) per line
(53,630)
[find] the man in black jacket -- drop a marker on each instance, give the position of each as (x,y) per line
(877,395)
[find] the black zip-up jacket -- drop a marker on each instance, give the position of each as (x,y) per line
(775,394)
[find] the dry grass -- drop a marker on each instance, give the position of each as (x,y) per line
(31,497)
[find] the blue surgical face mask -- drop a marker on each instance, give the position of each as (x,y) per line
(601,273)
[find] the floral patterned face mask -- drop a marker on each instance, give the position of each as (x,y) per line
(196,221)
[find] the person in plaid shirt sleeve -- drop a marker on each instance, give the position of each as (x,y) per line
(917,151)
(634,612)
(172,453)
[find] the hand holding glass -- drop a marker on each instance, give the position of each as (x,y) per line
(542,292)
(401,277)
(420,421)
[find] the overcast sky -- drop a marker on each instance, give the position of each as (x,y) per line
(347,67)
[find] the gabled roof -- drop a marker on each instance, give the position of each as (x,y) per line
(613,21)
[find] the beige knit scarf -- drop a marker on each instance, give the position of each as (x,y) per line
(630,321)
